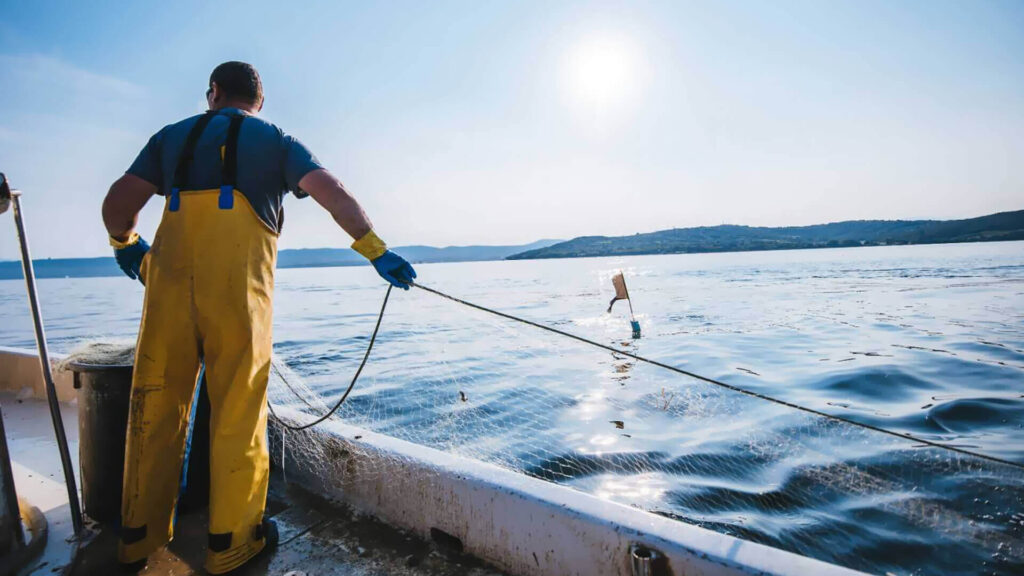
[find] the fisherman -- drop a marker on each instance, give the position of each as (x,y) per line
(209,280)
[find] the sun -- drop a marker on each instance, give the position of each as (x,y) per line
(601,72)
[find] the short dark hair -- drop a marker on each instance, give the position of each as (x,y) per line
(238,81)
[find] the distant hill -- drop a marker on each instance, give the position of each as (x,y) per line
(730,238)
(301,258)
(317,257)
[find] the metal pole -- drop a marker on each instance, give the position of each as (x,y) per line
(641,558)
(44,361)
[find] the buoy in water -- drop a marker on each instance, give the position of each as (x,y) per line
(621,293)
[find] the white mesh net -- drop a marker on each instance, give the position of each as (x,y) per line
(630,432)
(100,353)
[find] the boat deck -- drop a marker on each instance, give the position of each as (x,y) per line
(317,537)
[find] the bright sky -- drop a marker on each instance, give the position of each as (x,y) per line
(506,122)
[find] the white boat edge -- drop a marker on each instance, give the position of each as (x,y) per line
(524,525)
(520,524)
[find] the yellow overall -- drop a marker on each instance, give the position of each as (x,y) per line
(209,281)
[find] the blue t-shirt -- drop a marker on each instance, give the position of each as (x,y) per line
(270,163)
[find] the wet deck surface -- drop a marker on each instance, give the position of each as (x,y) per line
(317,537)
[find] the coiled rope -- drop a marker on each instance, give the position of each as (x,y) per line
(637,357)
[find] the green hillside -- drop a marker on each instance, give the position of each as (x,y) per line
(731,238)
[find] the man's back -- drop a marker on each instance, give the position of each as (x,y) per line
(270,163)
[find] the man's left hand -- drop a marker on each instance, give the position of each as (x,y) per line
(394,269)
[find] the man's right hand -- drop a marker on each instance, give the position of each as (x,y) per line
(129,254)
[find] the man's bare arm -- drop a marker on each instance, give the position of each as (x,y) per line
(331,194)
(123,203)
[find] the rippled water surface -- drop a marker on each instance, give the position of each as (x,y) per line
(927,340)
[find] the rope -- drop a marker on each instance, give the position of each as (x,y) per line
(637,357)
(355,377)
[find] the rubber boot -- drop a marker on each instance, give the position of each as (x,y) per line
(271,537)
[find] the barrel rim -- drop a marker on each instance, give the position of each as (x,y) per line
(85,367)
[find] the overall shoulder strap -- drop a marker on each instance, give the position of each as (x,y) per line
(229,167)
(181,170)
(185,158)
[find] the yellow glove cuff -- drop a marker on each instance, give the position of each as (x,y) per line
(370,246)
(131,241)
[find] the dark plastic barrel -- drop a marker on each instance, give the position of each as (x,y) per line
(103,397)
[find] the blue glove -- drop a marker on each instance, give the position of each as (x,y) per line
(129,255)
(394,269)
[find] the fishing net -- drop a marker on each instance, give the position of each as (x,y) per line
(107,352)
(466,382)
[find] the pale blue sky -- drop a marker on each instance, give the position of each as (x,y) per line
(493,122)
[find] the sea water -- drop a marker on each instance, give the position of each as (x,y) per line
(925,340)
